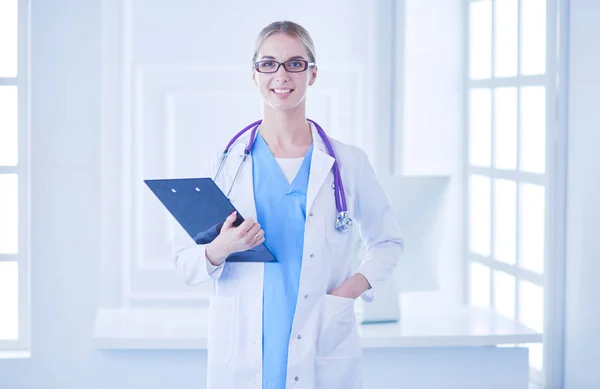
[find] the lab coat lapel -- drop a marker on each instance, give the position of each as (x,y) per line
(242,194)
(320,165)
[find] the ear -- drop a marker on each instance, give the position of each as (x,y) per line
(254,77)
(313,76)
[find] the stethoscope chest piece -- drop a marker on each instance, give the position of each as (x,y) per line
(343,222)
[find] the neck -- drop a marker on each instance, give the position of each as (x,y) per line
(286,130)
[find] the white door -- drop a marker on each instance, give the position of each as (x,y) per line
(177,85)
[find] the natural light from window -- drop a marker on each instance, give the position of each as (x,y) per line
(14,178)
(9,301)
(9,129)
(505,189)
(8,37)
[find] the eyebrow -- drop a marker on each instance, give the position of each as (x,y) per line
(271,57)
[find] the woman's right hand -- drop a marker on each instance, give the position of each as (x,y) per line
(234,239)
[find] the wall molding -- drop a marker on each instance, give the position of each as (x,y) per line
(125,82)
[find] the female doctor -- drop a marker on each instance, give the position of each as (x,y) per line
(290,323)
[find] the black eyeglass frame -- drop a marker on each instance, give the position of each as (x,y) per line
(285,65)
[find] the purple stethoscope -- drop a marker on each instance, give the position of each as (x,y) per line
(343,222)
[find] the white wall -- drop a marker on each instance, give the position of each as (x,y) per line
(430,130)
(66,214)
(582,336)
(164,96)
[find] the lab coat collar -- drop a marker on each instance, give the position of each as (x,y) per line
(320,164)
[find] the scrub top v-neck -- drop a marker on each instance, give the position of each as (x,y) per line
(281,212)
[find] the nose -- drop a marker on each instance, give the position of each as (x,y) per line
(282,74)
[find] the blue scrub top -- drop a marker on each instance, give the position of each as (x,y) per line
(281,212)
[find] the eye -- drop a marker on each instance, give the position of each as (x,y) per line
(295,64)
(267,64)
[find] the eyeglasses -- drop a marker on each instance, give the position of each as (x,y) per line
(272,66)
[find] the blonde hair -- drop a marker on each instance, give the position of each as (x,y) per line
(290,28)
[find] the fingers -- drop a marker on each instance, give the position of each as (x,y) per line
(246,226)
(253,230)
(254,239)
(248,233)
(229,221)
(252,235)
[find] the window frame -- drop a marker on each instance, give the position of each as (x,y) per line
(21,346)
(551,179)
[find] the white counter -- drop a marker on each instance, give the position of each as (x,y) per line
(186,329)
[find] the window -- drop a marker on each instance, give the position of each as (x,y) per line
(510,90)
(14,176)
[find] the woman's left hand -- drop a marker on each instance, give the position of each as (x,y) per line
(353,287)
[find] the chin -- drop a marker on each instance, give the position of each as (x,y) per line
(283,106)
(277,103)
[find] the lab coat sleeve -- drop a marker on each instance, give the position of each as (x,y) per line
(190,258)
(378,228)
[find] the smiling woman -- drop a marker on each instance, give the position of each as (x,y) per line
(299,325)
(285,66)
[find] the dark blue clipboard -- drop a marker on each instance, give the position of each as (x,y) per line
(200,207)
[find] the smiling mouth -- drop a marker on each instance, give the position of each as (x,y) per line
(282,91)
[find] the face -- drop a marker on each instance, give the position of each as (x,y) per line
(283,90)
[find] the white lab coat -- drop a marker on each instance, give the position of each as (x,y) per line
(324,347)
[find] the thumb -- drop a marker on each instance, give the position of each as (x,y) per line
(229,221)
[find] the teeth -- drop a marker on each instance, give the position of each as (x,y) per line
(282,90)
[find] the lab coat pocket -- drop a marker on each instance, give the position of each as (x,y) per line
(338,335)
(340,373)
(221,321)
